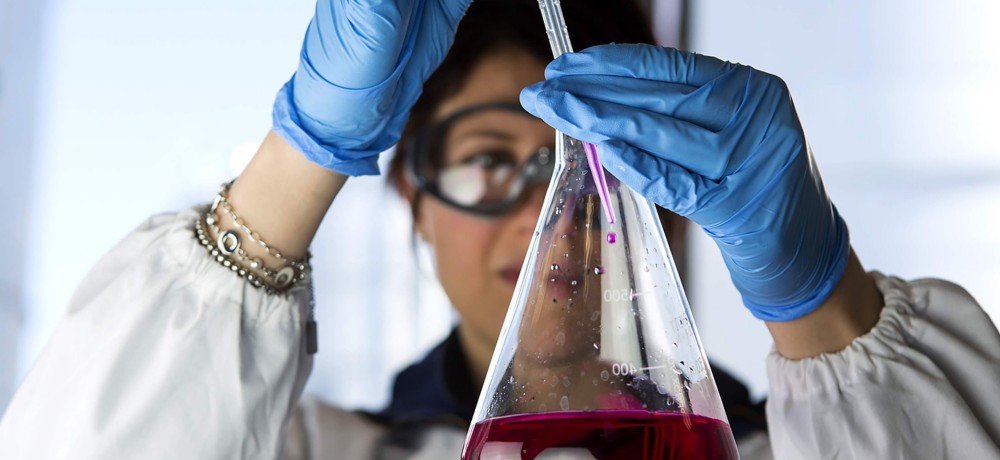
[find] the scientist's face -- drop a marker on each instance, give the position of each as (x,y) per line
(478,258)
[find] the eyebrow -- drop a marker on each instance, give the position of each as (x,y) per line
(498,135)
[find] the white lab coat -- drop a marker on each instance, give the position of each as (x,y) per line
(165,354)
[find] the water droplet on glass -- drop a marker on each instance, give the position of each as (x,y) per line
(566,383)
(561,339)
(552,280)
(598,270)
(675,344)
(605,375)
(564,403)
(646,268)
(563,237)
(612,237)
(572,283)
(554,267)
(595,315)
(511,380)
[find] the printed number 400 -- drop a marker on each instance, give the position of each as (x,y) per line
(623,369)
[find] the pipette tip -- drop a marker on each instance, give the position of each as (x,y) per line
(597,171)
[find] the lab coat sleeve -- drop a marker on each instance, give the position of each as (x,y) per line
(163,354)
(924,383)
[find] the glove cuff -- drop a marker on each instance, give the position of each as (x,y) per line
(836,265)
(288,124)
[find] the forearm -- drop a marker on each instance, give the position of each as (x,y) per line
(851,311)
(282,196)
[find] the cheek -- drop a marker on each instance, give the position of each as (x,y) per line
(461,246)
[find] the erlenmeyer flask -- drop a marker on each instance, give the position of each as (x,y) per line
(598,357)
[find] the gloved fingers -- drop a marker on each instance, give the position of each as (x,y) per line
(453,10)
(647,62)
(357,44)
(663,182)
(697,149)
(712,106)
(438,22)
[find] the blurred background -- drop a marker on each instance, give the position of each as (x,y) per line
(113,110)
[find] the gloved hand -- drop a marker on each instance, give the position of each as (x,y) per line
(717,142)
(362,66)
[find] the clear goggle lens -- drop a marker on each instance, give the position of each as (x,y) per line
(479,179)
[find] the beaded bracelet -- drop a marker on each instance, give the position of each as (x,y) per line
(227,244)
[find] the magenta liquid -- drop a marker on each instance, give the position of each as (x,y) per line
(606,435)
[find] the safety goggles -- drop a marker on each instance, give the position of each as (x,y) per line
(486,179)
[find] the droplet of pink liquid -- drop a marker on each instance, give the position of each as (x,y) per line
(612,237)
(598,270)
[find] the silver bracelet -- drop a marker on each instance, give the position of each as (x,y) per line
(228,244)
(221,203)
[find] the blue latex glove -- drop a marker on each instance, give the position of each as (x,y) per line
(717,142)
(362,67)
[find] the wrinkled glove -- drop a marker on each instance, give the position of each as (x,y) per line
(362,66)
(717,142)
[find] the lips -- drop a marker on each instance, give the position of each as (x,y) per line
(511,272)
(560,283)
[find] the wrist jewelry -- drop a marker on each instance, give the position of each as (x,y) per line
(227,245)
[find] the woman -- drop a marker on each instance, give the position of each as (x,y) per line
(198,347)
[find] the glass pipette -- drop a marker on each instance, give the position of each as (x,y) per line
(555,28)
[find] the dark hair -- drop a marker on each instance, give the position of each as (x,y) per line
(491,26)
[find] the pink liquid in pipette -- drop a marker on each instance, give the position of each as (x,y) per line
(597,171)
(605,434)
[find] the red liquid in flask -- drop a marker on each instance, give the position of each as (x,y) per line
(602,435)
